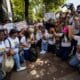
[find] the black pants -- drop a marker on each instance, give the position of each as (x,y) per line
(64,52)
(51,48)
(0,67)
(39,44)
(74,45)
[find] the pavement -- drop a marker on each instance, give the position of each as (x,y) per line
(47,67)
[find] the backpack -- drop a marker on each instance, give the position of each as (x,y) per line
(34,53)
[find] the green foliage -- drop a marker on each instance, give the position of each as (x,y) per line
(53,5)
(18,9)
(43,6)
(37,8)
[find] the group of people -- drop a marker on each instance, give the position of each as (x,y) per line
(60,37)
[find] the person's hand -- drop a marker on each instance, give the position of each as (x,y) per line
(10,52)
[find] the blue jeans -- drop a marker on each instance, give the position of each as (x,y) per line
(2,75)
(21,56)
(74,62)
(44,46)
(17,60)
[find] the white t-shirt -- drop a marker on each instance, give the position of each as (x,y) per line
(78,43)
(60,34)
(74,29)
(2,50)
(78,39)
(13,42)
(78,56)
(51,40)
(47,36)
(38,35)
(25,42)
(65,42)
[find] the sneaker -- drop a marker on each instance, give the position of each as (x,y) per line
(21,69)
(42,52)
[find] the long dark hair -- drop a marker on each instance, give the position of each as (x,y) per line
(2,36)
(27,34)
(12,31)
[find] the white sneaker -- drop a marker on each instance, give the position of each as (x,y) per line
(42,52)
(21,69)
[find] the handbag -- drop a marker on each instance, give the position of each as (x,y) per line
(33,53)
(10,52)
(8,63)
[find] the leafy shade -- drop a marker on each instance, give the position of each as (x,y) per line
(52,5)
(35,10)
(18,9)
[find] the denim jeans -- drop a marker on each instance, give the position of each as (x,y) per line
(21,56)
(2,75)
(17,60)
(74,45)
(74,62)
(44,46)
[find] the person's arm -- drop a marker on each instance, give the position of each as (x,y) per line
(71,36)
(56,34)
(23,43)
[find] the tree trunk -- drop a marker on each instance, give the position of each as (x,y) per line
(26,10)
(1,12)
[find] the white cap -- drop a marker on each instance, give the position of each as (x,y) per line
(65,9)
